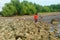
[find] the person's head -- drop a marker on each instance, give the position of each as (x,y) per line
(36,13)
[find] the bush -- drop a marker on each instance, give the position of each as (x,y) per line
(27,8)
(8,10)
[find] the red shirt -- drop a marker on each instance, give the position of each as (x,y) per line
(35,16)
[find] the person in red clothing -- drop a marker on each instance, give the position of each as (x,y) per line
(36,17)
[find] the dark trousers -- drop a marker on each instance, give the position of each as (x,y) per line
(36,20)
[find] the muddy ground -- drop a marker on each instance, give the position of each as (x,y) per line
(24,28)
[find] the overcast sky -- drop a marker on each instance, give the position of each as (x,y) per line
(41,2)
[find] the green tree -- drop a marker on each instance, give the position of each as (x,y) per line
(38,7)
(55,8)
(8,10)
(16,3)
(46,9)
(0,12)
(27,8)
(15,7)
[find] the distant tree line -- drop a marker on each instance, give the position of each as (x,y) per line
(15,7)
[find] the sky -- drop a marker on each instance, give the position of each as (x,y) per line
(40,2)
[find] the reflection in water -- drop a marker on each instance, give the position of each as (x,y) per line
(59,28)
(51,29)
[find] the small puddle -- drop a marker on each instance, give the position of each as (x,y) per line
(57,26)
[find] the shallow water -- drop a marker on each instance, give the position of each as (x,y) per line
(58,28)
(52,28)
(48,20)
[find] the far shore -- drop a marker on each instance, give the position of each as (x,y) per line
(40,14)
(49,13)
